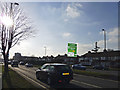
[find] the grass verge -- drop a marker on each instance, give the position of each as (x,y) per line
(14,80)
(96,74)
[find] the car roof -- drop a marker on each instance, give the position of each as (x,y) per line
(54,64)
(15,61)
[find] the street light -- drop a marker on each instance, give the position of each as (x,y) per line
(104,39)
(45,50)
(11,6)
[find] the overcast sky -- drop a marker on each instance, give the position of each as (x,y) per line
(60,23)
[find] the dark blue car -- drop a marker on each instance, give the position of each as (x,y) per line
(14,63)
(100,67)
(21,63)
(55,73)
(79,67)
(29,65)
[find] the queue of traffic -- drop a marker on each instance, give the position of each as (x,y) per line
(15,63)
(54,73)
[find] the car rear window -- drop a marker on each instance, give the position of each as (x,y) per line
(62,68)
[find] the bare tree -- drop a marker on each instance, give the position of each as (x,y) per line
(14,27)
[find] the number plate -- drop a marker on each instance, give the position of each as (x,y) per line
(65,73)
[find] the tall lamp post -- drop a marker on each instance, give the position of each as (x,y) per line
(104,39)
(45,50)
(11,7)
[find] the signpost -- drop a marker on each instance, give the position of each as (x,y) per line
(72,50)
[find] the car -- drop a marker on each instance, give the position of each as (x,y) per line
(79,67)
(55,73)
(100,67)
(9,62)
(14,63)
(29,65)
(21,63)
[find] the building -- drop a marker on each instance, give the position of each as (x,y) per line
(18,57)
(47,58)
(60,59)
(66,59)
(106,58)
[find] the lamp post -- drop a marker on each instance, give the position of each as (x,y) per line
(11,5)
(104,39)
(45,50)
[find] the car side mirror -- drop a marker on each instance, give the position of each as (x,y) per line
(39,68)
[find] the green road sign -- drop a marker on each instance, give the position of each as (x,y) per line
(72,50)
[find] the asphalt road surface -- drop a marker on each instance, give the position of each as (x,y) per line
(79,81)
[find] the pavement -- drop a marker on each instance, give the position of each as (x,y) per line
(0,76)
(0,82)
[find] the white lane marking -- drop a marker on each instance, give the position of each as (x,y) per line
(34,81)
(87,84)
(98,78)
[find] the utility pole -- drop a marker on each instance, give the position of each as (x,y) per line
(104,39)
(45,50)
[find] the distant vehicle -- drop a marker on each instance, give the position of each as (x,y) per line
(14,63)
(55,73)
(29,65)
(9,62)
(100,67)
(21,63)
(79,67)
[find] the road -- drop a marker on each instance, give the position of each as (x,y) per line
(79,81)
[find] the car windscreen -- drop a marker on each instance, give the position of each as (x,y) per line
(62,68)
